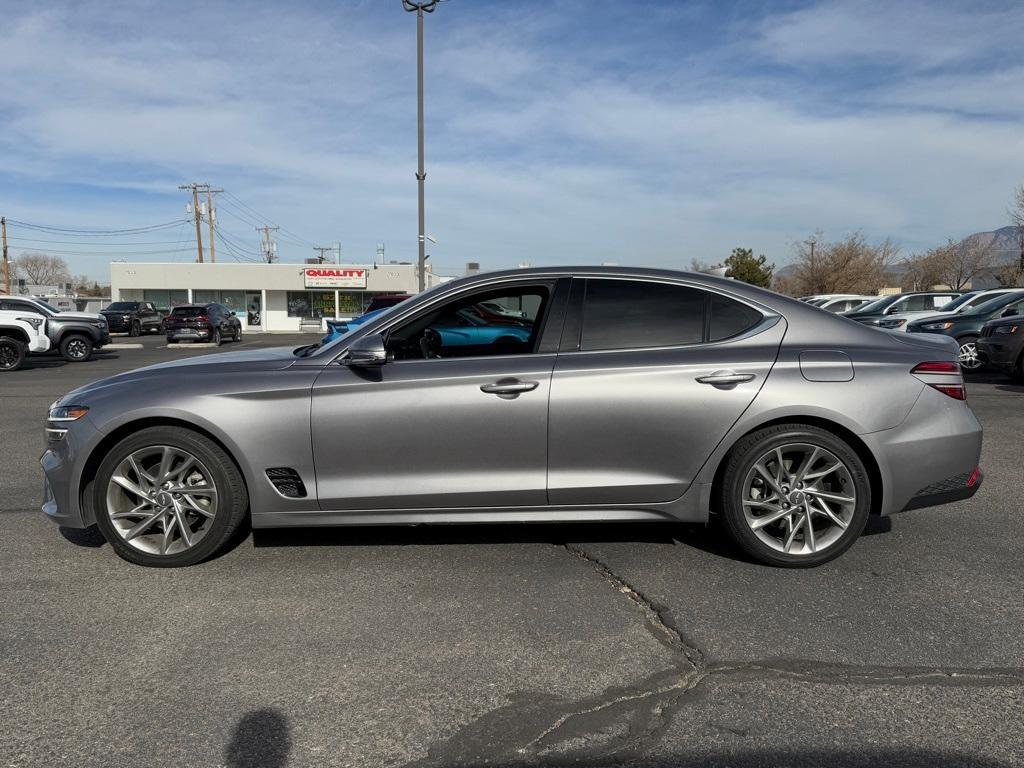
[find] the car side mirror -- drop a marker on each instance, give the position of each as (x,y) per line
(368,352)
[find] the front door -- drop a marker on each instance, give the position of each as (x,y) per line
(457,417)
(254,310)
(653,377)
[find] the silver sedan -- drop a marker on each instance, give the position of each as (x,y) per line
(586,394)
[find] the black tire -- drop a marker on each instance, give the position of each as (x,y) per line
(740,462)
(963,341)
(76,348)
(135,329)
(233,500)
(1017,374)
(217,340)
(171,341)
(238,333)
(12,354)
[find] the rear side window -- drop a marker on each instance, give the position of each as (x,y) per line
(625,314)
(730,318)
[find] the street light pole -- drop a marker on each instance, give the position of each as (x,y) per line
(424,6)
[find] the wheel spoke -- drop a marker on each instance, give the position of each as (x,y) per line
(179,471)
(137,512)
(806,464)
(761,522)
(183,528)
(820,473)
(144,525)
(823,509)
(167,540)
(195,506)
(768,478)
(166,459)
(830,496)
(808,528)
(128,485)
(792,533)
(144,477)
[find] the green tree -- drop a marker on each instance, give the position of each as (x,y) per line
(742,265)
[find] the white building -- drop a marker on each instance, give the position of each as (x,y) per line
(266,297)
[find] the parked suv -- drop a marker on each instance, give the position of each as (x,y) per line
(20,333)
(134,317)
(202,322)
(901,303)
(75,334)
(966,327)
(1001,345)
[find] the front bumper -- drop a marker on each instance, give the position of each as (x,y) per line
(62,467)
(998,353)
(117,325)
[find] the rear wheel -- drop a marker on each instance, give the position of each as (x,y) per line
(75,348)
(12,354)
(168,497)
(969,359)
(794,495)
(171,341)
(217,340)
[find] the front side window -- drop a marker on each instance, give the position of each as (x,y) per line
(499,322)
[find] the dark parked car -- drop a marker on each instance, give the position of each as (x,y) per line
(202,322)
(900,303)
(966,327)
(134,317)
(1001,345)
(74,334)
(633,395)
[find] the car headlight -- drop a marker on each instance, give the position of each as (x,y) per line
(938,326)
(126,317)
(892,323)
(67,412)
(1005,329)
(34,320)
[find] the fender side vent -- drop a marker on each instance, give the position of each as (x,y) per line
(287,482)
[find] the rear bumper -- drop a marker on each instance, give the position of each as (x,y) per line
(998,354)
(177,334)
(957,488)
(921,460)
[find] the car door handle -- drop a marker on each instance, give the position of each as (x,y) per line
(508,389)
(725,378)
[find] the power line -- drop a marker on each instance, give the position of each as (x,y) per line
(96,232)
(268,220)
(88,242)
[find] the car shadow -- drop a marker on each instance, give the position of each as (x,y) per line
(261,739)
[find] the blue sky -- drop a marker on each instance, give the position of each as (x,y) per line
(557,132)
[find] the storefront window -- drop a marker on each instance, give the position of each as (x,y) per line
(205,297)
(233,300)
(160,299)
(350,304)
(178,297)
(311,304)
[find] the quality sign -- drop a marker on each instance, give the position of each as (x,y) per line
(334,277)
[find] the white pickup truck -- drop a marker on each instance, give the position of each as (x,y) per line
(20,333)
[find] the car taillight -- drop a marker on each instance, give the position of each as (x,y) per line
(201,318)
(945,376)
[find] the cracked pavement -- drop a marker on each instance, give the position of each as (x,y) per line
(512,645)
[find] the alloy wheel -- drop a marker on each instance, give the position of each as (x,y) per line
(77,349)
(799,498)
(969,359)
(161,500)
(9,356)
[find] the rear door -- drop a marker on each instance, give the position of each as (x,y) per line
(649,378)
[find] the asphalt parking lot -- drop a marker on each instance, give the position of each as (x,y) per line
(510,645)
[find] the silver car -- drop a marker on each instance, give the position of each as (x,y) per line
(599,394)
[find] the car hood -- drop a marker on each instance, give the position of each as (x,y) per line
(272,358)
(77,316)
(939,318)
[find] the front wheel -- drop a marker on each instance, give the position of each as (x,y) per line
(970,361)
(794,495)
(12,354)
(75,349)
(168,497)
(238,333)
(136,329)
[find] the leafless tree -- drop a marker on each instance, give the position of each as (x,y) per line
(850,265)
(41,269)
(1016,213)
(956,263)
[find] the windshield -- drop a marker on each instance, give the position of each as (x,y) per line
(994,305)
(878,304)
(45,307)
(188,311)
(124,306)
(964,300)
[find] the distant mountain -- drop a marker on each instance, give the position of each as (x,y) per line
(1004,242)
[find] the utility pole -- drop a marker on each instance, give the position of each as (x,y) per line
(7,263)
(198,213)
(420,7)
(320,251)
(269,246)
